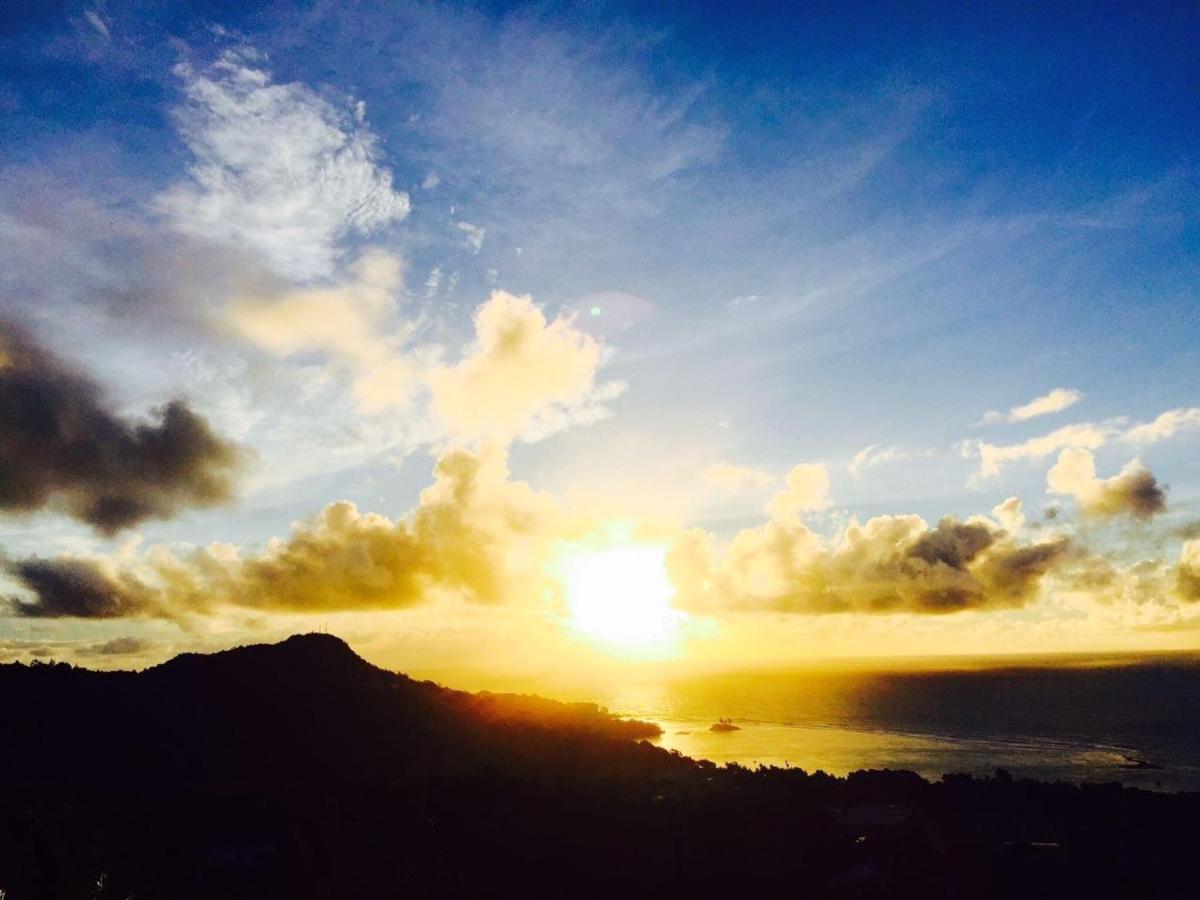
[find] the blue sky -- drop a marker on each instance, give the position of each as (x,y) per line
(790,233)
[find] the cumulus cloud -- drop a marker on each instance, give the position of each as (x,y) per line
(475,535)
(890,564)
(1134,491)
(523,377)
(1166,426)
(734,478)
(352,323)
(874,455)
(807,490)
(993,458)
(63,447)
(1055,401)
(276,168)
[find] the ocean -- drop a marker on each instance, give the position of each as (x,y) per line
(1137,723)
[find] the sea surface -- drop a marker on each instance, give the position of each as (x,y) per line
(1134,723)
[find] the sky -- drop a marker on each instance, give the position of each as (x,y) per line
(557,337)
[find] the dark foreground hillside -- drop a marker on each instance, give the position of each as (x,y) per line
(298,770)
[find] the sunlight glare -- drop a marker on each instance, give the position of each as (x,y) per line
(621,597)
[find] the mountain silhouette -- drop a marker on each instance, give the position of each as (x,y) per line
(299,770)
(305,710)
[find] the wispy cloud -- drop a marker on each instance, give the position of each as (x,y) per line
(1055,401)
(874,455)
(735,478)
(1166,426)
(276,167)
(474,235)
(97,22)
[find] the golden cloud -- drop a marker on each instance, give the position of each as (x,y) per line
(807,490)
(890,564)
(524,377)
(1187,572)
(475,535)
(353,325)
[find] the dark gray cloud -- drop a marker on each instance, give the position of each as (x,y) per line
(1138,493)
(119,646)
(61,446)
(953,543)
(77,588)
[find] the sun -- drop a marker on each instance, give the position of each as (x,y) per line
(620,597)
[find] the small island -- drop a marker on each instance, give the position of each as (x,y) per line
(722,726)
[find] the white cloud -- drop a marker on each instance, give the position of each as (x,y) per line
(1009,515)
(277,168)
(474,234)
(1055,401)
(992,458)
(97,22)
(874,455)
(1165,426)
(432,282)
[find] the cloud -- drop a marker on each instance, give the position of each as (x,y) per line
(523,376)
(119,646)
(874,455)
(80,588)
(1187,572)
(892,564)
(1166,426)
(97,22)
(1009,514)
(474,235)
(734,478)
(475,536)
(479,537)
(352,323)
(807,491)
(1134,491)
(63,447)
(992,458)
(1055,401)
(276,168)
